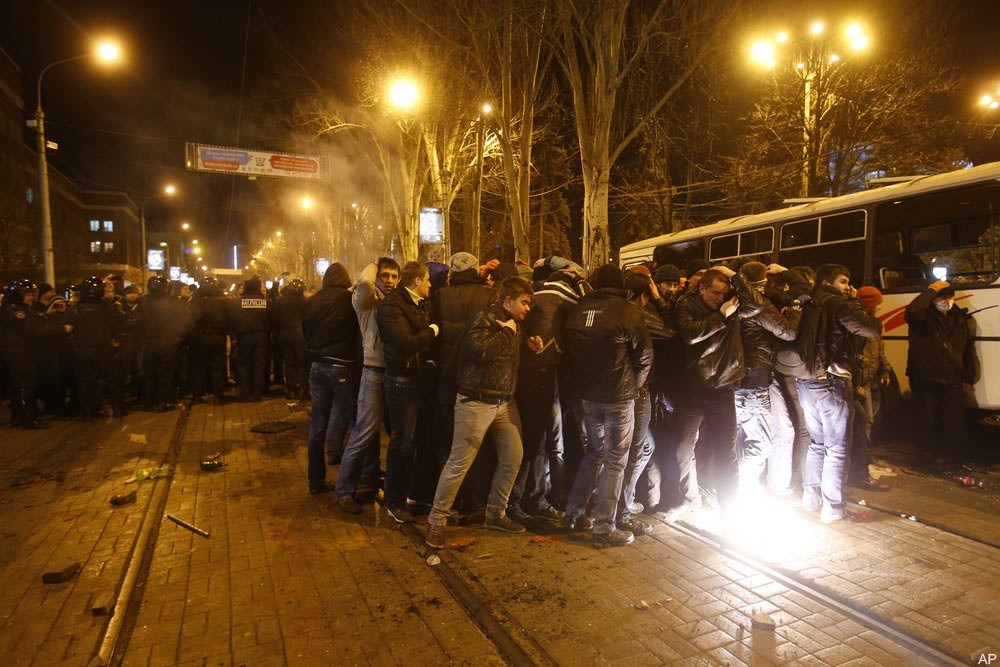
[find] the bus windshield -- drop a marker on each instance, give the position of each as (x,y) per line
(952,235)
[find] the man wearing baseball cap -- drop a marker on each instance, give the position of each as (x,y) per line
(941,364)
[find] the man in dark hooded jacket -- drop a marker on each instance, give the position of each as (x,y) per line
(708,322)
(941,365)
(288,334)
(161,324)
(331,331)
(251,322)
(210,318)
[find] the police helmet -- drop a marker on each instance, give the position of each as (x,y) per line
(296,286)
(91,290)
(16,292)
(158,286)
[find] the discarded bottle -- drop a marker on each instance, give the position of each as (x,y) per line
(152,473)
(211,465)
(967,480)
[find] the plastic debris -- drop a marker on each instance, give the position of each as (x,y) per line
(148,473)
(433,559)
(212,465)
(762,621)
(484,556)
(641,605)
(912,517)
(123,499)
(184,524)
(863,502)
(541,539)
(61,576)
(967,480)
(137,437)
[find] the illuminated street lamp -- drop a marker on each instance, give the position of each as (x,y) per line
(194,242)
(186,226)
(404,94)
(486,109)
(814,62)
(105,52)
(307,202)
(278,233)
(169,190)
(990,102)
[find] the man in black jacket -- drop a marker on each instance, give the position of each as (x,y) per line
(486,376)
(828,399)
(941,365)
(20,328)
(210,319)
(610,354)
(98,329)
(331,330)
(708,322)
(755,411)
(406,333)
(251,322)
(288,334)
(162,323)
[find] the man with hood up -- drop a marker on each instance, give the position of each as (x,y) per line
(210,317)
(251,322)
(331,330)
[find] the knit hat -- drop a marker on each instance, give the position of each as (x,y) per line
(608,275)
(640,268)
(694,266)
(463,261)
(668,273)
(869,296)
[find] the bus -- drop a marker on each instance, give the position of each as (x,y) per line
(898,237)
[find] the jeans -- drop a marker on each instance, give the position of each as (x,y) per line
(780,462)
(708,416)
(789,388)
(639,453)
(403,398)
(541,434)
(827,405)
(359,465)
(661,472)
(333,410)
(609,428)
(473,421)
(753,437)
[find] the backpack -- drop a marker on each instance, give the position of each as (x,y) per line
(808,356)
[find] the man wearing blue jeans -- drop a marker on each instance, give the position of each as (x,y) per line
(407,335)
(486,377)
(358,476)
(843,324)
(610,356)
(331,332)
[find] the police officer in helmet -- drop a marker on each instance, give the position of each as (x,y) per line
(98,331)
(161,324)
(20,327)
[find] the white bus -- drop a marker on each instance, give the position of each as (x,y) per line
(898,237)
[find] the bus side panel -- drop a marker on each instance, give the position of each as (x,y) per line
(987,389)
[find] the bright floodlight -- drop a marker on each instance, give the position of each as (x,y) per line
(781,37)
(817,28)
(109,52)
(307,203)
(403,94)
(762,52)
(186,226)
(194,242)
(487,108)
(169,190)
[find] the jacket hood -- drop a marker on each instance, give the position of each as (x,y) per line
(469,276)
(252,286)
(336,276)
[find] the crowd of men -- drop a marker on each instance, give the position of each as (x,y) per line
(514,394)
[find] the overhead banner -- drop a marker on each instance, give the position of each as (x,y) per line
(250,162)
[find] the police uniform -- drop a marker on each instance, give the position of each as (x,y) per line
(161,323)
(20,329)
(251,322)
(291,341)
(210,319)
(97,334)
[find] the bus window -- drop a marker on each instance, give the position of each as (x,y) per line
(955,234)
(679,254)
(843,227)
(757,242)
(851,254)
(798,234)
(724,247)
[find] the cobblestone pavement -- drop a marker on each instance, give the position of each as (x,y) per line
(55,488)
(285,578)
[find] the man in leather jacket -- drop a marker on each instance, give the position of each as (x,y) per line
(828,400)
(486,376)
(941,365)
(708,322)
(611,355)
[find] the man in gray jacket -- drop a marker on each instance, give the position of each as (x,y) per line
(358,475)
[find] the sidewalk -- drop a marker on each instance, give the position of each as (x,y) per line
(55,488)
(284,577)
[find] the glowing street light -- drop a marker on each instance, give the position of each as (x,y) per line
(204,267)
(487,108)
(194,242)
(781,37)
(762,52)
(403,94)
(817,28)
(278,233)
(307,203)
(186,226)
(105,52)
(990,102)
(169,189)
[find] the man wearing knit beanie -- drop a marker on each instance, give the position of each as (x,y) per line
(874,373)
(870,297)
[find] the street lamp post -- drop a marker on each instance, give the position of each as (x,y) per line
(815,63)
(478,194)
(168,191)
(107,52)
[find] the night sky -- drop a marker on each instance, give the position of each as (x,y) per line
(125,128)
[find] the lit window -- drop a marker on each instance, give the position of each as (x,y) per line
(29,195)
(95,225)
(109,225)
(95,246)
(109,246)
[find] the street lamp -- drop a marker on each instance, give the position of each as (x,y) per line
(404,94)
(186,226)
(307,202)
(278,233)
(168,191)
(815,61)
(105,52)
(485,110)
